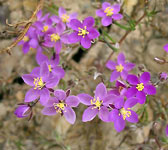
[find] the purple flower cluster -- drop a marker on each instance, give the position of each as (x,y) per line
(110,104)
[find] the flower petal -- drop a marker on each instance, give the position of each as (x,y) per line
(85,98)
(129,66)
(52,82)
(59,72)
(40,58)
(117,16)
(75,24)
(100,13)
(145,77)
(88,22)
(133,118)
(100,91)
(33,43)
(89,114)
(131,92)
(106,21)
(166,48)
(29,79)
(119,102)
(130,102)
(121,59)
(58,47)
(44,96)
(116,8)
(105,5)
(86,42)
(60,94)
(111,65)
(70,115)
(141,96)
(44,71)
(32,95)
(74,37)
(61,11)
(104,114)
(93,33)
(109,99)
(72,101)
(132,79)
(150,89)
(49,111)
(114,76)
(124,74)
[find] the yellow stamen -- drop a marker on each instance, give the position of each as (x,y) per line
(45,28)
(49,68)
(60,107)
(109,11)
(26,39)
(125,113)
(65,18)
(38,82)
(83,32)
(119,68)
(140,87)
(55,37)
(96,102)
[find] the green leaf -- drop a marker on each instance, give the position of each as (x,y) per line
(108,36)
(122,26)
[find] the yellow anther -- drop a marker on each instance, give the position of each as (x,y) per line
(59,107)
(140,87)
(119,68)
(38,82)
(49,68)
(109,11)
(96,102)
(83,32)
(125,113)
(26,39)
(45,28)
(55,37)
(65,18)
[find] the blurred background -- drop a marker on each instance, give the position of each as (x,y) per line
(54,133)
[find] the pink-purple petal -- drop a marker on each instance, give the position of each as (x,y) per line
(133,118)
(61,11)
(52,82)
(109,99)
(131,92)
(132,79)
(29,79)
(44,96)
(121,59)
(166,130)
(114,76)
(117,16)
(111,65)
(31,95)
(150,89)
(85,98)
(44,71)
(86,42)
(124,74)
(75,24)
(141,97)
(89,114)
(166,48)
(93,33)
(105,5)
(40,58)
(74,37)
(100,13)
(88,22)
(58,46)
(100,91)
(72,101)
(129,66)
(70,115)
(130,102)
(106,21)
(145,77)
(119,102)
(60,94)
(104,114)
(49,111)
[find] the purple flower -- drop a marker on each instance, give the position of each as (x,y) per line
(30,40)
(120,68)
(108,13)
(65,18)
(163,76)
(123,112)
(97,104)
(140,87)
(56,37)
(166,48)
(61,103)
(83,32)
(54,69)
(120,88)
(166,130)
(40,81)
(22,111)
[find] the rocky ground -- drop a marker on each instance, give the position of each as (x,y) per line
(54,133)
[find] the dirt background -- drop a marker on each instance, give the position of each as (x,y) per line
(54,133)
